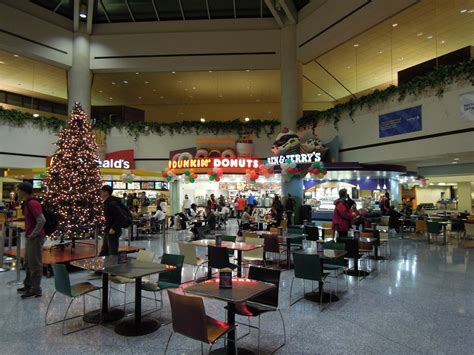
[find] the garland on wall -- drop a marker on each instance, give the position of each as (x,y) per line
(17,118)
(437,80)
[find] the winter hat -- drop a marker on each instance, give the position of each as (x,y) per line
(25,187)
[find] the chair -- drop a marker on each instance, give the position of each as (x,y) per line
(166,280)
(433,228)
(62,284)
(191,258)
(142,255)
(308,267)
(312,233)
(189,319)
(337,265)
(295,230)
(232,239)
(266,302)
(421,226)
(272,245)
(327,234)
(218,258)
(384,220)
(255,255)
(385,243)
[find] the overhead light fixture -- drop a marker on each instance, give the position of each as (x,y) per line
(110,98)
(384,187)
(380,52)
(137,73)
(378,187)
(456,159)
(83,11)
(162,97)
(139,97)
(463,11)
(419,34)
(454,162)
(210,71)
(247,119)
(356,45)
(35,115)
(443,42)
(147,82)
(101,91)
(2,62)
(125,82)
(203,119)
(173,72)
(16,55)
(367,178)
(248,70)
(394,24)
(113,82)
(429,37)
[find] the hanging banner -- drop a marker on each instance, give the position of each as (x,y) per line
(467,106)
(400,122)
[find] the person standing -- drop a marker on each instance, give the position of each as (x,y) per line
(186,205)
(135,202)
(211,203)
(113,227)
(240,206)
(290,209)
(35,238)
(342,216)
(144,202)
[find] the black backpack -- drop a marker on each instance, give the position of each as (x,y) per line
(125,216)
(51,219)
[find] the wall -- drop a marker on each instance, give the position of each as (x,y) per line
(439,115)
(431,194)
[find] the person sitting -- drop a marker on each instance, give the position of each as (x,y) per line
(420,212)
(394,220)
(159,218)
(246,219)
(193,211)
(211,218)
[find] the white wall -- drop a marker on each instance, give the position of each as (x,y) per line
(431,194)
(438,115)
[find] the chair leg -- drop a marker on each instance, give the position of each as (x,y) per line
(258,335)
(291,288)
(284,333)
(47,310)
(168,342)
(65,315)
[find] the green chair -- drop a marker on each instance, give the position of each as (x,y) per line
(62,285)
(308,267)
(295,230)
(337,265)
(229,238)
(166,280)
(433,228)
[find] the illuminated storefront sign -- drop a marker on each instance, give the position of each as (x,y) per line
(241,163)
(297,158)
(123,159)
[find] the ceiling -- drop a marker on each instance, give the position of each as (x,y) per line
(112,11)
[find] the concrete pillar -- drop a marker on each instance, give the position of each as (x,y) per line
(79,76)
(175,197)
(464,197)
(295,188)
(291,72)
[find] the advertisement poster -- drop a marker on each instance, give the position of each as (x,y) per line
(467,106)
(400,122)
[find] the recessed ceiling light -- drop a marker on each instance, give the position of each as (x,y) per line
(101,91)
(113,82)
(35,115)
(154,90)
(394,24)
(125,82)
(380,52)
(443,42)
(248,70)
(191,96)
(247,119)
(110,98)
(194,88)
(456,159)
(429,37)
(137,73)
(210,71)
(454,162)
(173,72)
(356,45)
(419,34)
(16,55)
(319,94)
(162,97)
(139,97)
(471,11)
(203,119)
(463,11)
(2,62)
(348,67)
(185,89)
(147,82)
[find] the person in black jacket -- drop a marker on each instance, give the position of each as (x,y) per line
(113,228)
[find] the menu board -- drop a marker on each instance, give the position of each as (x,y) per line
(37,184)
(148,185)
(119,185)
(134,186)
(165,186)
(109,183)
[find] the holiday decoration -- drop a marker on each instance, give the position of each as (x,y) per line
(127,177)
(190,176)
(289,170)
(169,175)
(251,176)
(74,181)
(286,142)
(215,174)
(317,170)
(265,170)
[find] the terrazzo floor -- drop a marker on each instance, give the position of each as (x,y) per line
(419,301)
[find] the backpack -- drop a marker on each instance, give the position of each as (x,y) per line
(51,219)
(125,216)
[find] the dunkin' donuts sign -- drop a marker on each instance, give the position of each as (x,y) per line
(241,163)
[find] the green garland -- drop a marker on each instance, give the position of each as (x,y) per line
(136,129)
(438,80)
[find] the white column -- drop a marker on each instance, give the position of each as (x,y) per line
(291,72)
(79,75)
(464,197)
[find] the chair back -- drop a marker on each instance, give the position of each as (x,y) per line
(298,241)
(256,253)
(271,244)
(384,220)
(145,256)
(366,234)
(229,238)
(188,316)
(218,257)
(352,247)
(469,227)
(335,246)
(420,225)
(189,252)
(295,230)
(172,276)
(62,283)
(312,233)
(269,298)
(433,227)
(307,267)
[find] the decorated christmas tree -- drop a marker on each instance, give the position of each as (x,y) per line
(73,181)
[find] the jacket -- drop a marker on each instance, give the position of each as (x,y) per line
(112,215)
(342,217)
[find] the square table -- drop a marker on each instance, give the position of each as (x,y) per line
(242,290)
(104,314)
(135,269)
(315,296)
(239,247)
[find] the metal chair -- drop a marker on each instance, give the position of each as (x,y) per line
(433,229)
(266,302)
(421,227)
(219,258)
(327,234)
(337,265)
(256,255)
(191,258)
(189,319)
(62,285)
(272,245)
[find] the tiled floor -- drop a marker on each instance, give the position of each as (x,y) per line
(421,301)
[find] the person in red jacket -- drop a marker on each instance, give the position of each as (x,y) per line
(342,216)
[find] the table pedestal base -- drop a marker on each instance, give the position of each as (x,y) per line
(315,297)
(225,351)
(357,273)
(97,316)
(129,328)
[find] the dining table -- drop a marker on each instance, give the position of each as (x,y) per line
(237,246)
(323,255)
(134,269)
(444,224)
(241,291)
(97,264)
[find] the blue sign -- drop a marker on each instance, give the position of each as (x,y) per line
(400,122)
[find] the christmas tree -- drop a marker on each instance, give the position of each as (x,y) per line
(73,181)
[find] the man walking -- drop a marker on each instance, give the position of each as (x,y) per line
(290,209)
(113,226)
(35,237)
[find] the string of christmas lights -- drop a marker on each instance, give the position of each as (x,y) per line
(73,181)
